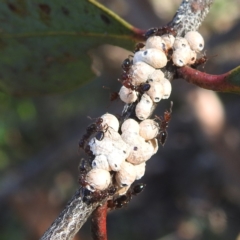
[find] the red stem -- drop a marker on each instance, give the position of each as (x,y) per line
(139,34)
(220,83)
(99,223)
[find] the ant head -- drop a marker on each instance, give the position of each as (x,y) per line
(99,121)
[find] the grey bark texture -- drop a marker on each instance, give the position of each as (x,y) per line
(70,219)
(188,17)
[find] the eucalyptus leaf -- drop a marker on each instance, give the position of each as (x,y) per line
(44,44)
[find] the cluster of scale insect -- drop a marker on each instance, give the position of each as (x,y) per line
(118,154)
(142,78)
(117,160)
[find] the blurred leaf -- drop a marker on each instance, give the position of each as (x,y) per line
(4,161)
(44,44)
(233,80)
(26,110)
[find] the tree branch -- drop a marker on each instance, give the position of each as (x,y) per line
(188,17)
(227,82)
(99,223)
(70,219)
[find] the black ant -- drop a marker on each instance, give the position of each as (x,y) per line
(166,30)
(126,79)
(126,64)
(126,82)
(90,130)
(97,128)
(113,95)
(164,121)
(100,129)
(97,196)
(160,31)
(143,87)
(138,47)
(123,200)
(200,61)
(151,32)
(83,140)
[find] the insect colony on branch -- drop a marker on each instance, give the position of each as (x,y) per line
(118,154)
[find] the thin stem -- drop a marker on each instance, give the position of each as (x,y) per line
(99,223)
(220,83)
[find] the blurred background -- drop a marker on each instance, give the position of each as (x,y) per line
(193,182)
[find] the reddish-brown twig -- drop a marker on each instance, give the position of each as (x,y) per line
(99,220)
(227,82)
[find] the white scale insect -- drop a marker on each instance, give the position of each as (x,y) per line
(127,154)
(98,179)
(186,49)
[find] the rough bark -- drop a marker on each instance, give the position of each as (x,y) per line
(70,219)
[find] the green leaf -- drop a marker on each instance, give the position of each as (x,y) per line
(232,81)
(44,44)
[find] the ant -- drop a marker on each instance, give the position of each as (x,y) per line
(162,134)
(201,61)
(113,95)
(97,128)
(126,82)
(126,78)
(126,64)
(90,197)
(151,32)
(100,129)
(138,47)
(166,30)
(160,31)
(123,200)
(83,140)
(90,130)
(143,87)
